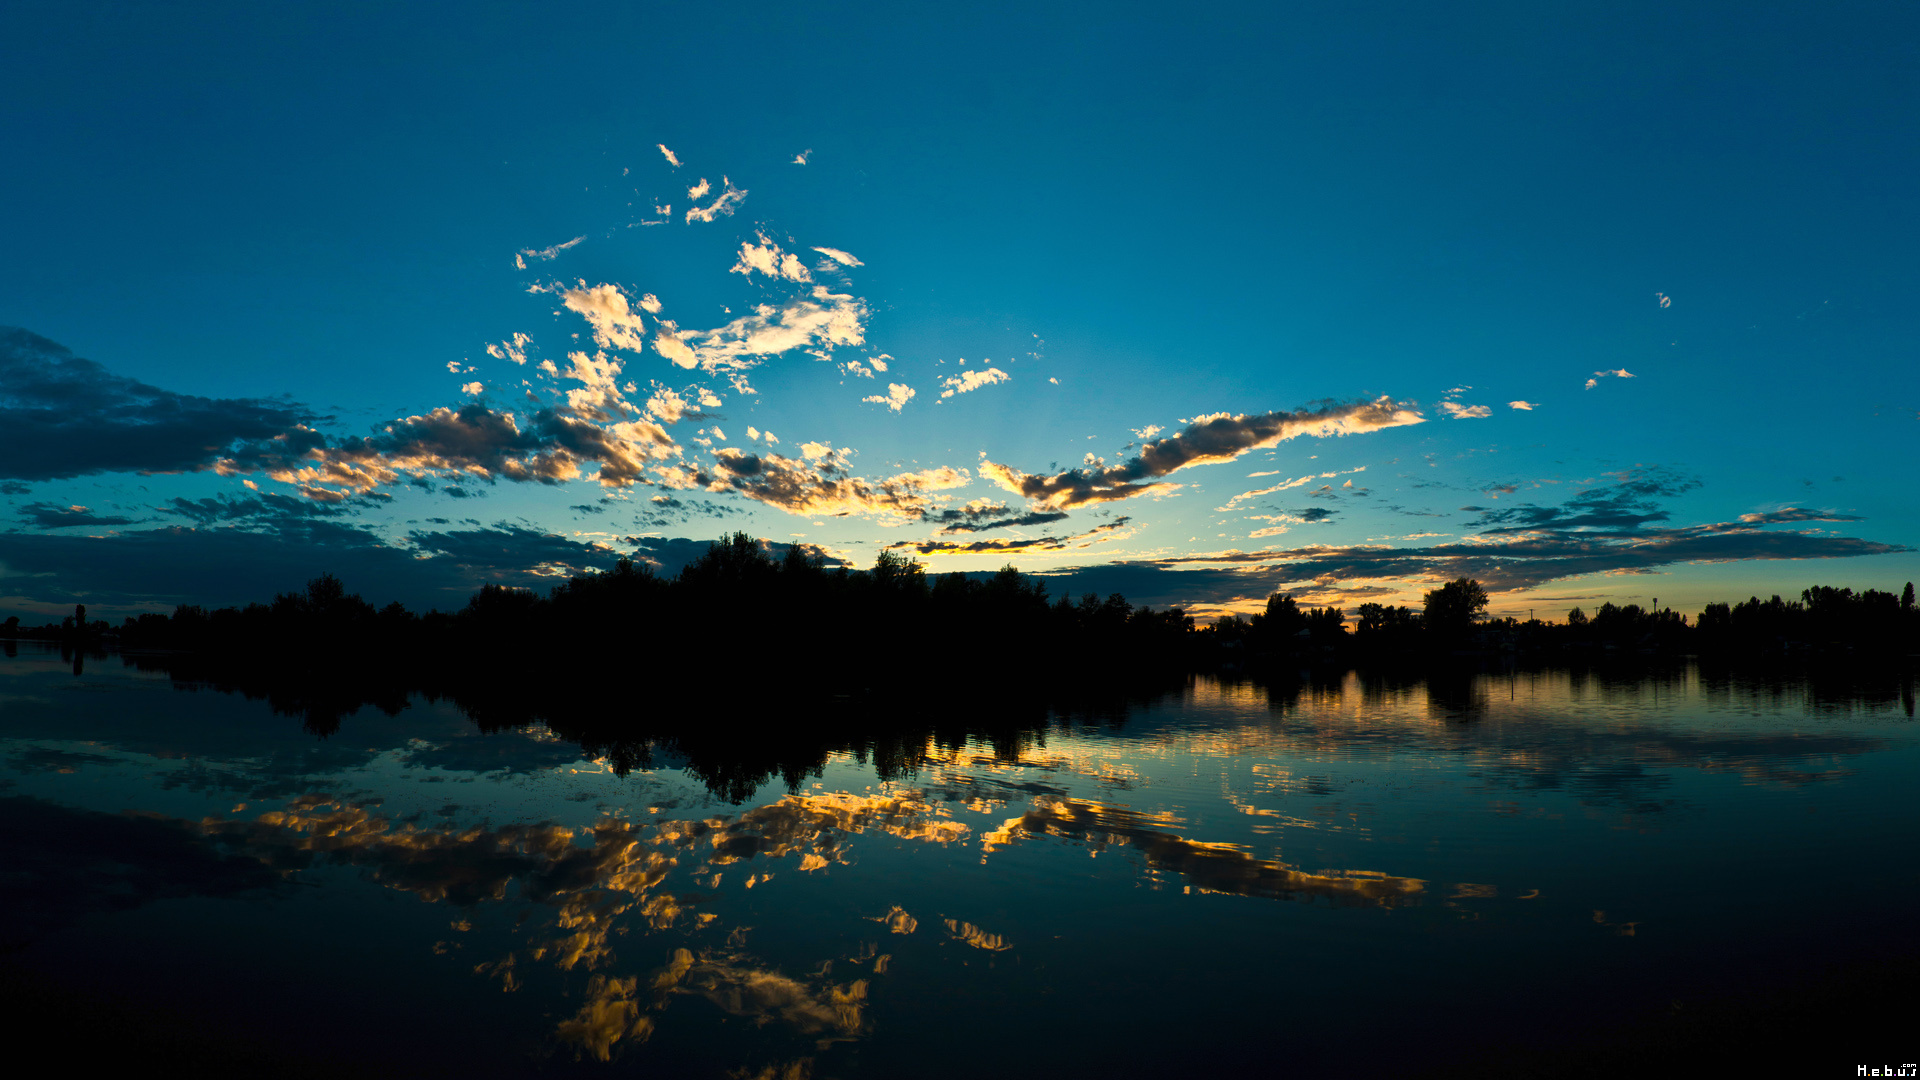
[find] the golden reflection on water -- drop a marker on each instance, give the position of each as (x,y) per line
(1545,727)
(968,934)
(607,879)
(611,878)
(1208,867)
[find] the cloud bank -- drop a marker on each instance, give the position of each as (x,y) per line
(66,417)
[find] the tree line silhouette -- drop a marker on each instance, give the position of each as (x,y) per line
(747,666)
(739,611)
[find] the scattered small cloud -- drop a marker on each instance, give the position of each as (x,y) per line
(1464,412)
(1617,373)
(669,155)
(801,157)
(615,324)
(896,397)
(767,258)
(723,204)
(1524,406)
(514,349)
(969,381)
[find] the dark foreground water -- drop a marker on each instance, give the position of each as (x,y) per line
(1352,875)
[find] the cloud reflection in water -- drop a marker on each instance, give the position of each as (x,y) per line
(608,879)
(1207,867)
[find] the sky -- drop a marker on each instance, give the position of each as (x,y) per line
(1588,302)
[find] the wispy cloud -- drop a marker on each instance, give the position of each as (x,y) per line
(801,157)
(669,155)
(1209,439)
(816,323)
(1114,530)
(1313,515)
(1525,406)
(1464,412)
(1284,485)
(839,256)
(543,254)
(1793,514)
(1616,373)
(1299,481)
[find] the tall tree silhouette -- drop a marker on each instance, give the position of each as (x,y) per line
(1452,608)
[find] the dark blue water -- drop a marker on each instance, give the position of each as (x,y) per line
(1231,879)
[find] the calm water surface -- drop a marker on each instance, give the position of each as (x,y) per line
(1232,878)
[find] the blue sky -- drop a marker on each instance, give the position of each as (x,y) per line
(279,233)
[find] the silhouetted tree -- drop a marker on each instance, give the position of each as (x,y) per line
(1383,629)
(1283,618)
(1326,626)
(1452,608)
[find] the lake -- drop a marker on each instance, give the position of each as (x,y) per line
(1345,871)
